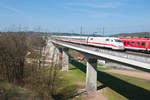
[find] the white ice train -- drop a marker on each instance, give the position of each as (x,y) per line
(107,42)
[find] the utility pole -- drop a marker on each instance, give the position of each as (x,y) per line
(81,30)
(103,30)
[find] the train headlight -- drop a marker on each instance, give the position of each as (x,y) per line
(121,46)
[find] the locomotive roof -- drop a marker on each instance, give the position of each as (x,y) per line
(135,38)
(86,36)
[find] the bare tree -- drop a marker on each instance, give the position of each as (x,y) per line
(43,77)
(13,50)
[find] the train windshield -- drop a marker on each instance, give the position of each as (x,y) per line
(117,40)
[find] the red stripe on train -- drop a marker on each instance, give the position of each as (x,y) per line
(92,42)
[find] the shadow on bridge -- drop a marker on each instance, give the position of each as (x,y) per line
(124,88)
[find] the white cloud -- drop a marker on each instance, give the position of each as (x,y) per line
(11,9)
(97,5)
(94,9)
(92,13)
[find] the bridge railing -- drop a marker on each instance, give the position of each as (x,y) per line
(114,53)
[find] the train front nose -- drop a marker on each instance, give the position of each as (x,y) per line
(121,46)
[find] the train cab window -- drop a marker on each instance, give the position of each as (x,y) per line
(143,44)
(138,44)
(107,39)
(91,39)
(125,43)
(117,40)
(132,43)
(128,43)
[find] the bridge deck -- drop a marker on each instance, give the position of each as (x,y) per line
(136,61)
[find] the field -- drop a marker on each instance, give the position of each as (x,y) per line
(113,86)
(11,92)
(72,86)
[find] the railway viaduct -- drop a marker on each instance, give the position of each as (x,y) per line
(91,55)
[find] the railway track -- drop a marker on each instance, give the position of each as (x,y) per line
(127,52)
(138,53)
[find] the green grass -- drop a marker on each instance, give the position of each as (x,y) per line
(102,68)
(74,75)
(134,80)
(70,83)
(120,87)
(140,86)
(11,92)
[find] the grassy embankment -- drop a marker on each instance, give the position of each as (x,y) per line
(11,92)
(114,86)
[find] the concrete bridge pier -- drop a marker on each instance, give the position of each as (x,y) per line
(57,56)
(91,74)
(65,59)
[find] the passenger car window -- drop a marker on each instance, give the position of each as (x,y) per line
(143,43)
(138,43)
(132,43)
(128,43)
(125,43)
(91,39)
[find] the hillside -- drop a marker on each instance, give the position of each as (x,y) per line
(140,34)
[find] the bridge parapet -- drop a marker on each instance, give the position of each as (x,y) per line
(127,56)
(135,61)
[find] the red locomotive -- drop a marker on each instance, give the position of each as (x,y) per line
(138,44)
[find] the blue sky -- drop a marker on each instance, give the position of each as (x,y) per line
(68,15)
